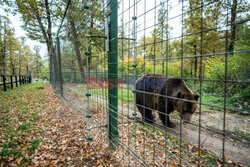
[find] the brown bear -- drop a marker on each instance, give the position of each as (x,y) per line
(164,94)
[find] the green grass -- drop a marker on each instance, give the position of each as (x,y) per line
(236,133)
(124,93)
(243,135)
(20,111)
(127,96)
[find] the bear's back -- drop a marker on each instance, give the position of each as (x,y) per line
(153,82)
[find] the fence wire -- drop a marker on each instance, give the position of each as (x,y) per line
(158,83)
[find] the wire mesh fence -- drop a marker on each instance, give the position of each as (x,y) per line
(163,82)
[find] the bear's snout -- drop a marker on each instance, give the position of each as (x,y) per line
(186,117)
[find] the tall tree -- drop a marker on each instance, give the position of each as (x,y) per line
(37,59)
(192,25)
(20,55)
(233,25)
(33,12)
(14,54)
(77,48)
(77,20)
(4,25)
(28,62)
(238,8)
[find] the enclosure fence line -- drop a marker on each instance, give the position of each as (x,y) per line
(144,60)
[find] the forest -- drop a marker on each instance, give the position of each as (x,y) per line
(17,58)
(162,48)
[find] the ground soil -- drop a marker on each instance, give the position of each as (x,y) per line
(235,150)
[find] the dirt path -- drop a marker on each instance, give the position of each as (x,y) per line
(234,150)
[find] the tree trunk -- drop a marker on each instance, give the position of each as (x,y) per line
(1,58)
(4,63)
(51,48)
(19,61)
(46,36)
(19,70)
(13,70)
(50,65)
(191,70)
(233,26)
(53,54)
(195,63)
(90,33)
(77,49)
(53,64)
(4,50)
(27,69)
(12,64)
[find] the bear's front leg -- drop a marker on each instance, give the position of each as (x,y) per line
(170,124)
(148,117)
(164,121)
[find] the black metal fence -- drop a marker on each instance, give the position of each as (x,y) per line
(164,82)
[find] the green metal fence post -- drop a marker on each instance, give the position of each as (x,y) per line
(59,66)
(112,70)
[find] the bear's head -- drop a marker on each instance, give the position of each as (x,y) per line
(186,108)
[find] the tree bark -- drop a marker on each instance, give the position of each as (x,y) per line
(12,67)
(51,48)
(48,38)
(4,63)
(19,70)
(13,70)
(27,69)
(19,61)
(77,49)
(195,64)
(4,50)
(1,62)
(233,26)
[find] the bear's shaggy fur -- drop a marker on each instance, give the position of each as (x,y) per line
(164,95)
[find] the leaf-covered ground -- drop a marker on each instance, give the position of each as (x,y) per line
(37,130)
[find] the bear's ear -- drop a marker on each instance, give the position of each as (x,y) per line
(196,97)
(179,95)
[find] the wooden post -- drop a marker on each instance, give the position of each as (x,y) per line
(4,83)
(16,81)
(20,80)
(30,78)
(11,81)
